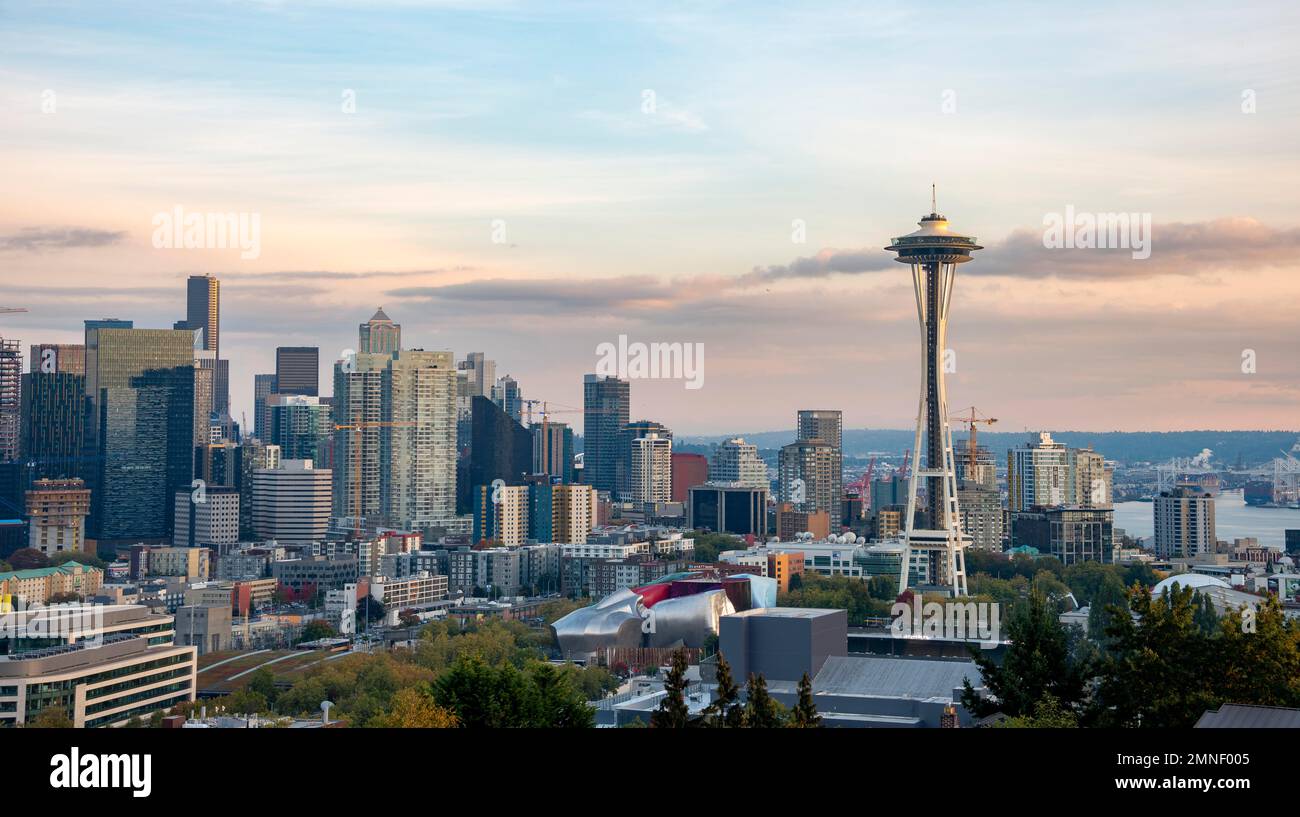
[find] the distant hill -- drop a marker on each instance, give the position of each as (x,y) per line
(1254,447)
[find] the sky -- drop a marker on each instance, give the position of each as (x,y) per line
(531,180)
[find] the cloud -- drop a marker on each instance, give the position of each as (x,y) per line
(336,275)
(828,262)
(550,295)
(1176,249)
(39,239)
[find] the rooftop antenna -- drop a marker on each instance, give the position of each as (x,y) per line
(934,208)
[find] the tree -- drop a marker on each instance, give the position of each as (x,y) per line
(1048,714)
(51,718)
(316,630)
(804,715)
(673,713)
(28,559)
(725,711)
(1160,669)
(263,683)
(761,709)
(1037,663)
(413,708)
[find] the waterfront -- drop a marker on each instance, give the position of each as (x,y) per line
(1233,519)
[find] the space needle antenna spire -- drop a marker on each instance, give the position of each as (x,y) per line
(933,252)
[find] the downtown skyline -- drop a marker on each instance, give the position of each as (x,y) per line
(676,226)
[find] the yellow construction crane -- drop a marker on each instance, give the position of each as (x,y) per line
(970,421)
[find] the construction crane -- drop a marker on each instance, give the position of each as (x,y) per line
(863,487)
(974,419)
(356,453)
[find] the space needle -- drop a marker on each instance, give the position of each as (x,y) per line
(933,252)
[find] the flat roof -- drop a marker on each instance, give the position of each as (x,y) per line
(786,612)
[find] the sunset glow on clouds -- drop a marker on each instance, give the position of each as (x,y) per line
(676,224)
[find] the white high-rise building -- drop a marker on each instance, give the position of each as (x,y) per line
(736,461)
(291,504)
(1184,524)
(1048,473)
(207,517)
(651,477)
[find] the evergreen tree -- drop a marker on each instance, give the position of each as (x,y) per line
(725,711)
(761,709)
(673,712)
(1160,669)
(1039,662)
(805,714)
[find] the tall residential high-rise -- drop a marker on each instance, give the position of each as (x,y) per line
(395,455)
(573,513)
(1184,523)
(606,405)
(826,427)
(650,477)
(737,461)
(480,374)
(297,370)
(1046,473)
(630,433)
(809,473)
(379,335)
(291,504)
(205,373)
(501,514)
(553,449)
(933,252)
(11,385)
(263,388)
(139,431)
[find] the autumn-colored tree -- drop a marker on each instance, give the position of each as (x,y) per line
(413,708)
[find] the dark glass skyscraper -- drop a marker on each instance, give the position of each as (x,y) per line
(605,402)
(499,448)
(53,423)
(297,370)
(203,310)
(139,429)
(263,388)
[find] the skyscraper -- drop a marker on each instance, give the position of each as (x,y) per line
(203,310)
(297,370)
(1046,473)
(933,252)
(553,449)
(480,374)
(11,384)
(809,475)
(827,428)
(291,504)
(139,429)
(606,403)
(1184,523)
(53,423)
(500,448)
(395,455)
(507,395)
(263,388)
(301,426)
(379,335)
(650,477)
(58,357)
(736,461)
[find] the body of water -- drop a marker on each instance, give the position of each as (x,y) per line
(1233,519)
